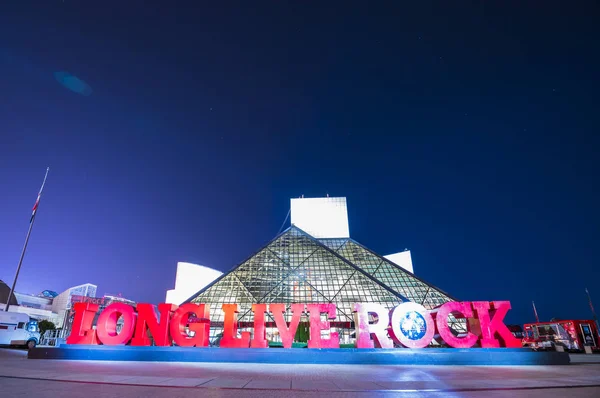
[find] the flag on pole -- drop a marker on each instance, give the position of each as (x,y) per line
(37,201)
(590,302)
(35,206)
(537,319)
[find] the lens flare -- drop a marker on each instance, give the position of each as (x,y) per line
(73,83)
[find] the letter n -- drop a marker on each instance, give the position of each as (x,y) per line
(147,320)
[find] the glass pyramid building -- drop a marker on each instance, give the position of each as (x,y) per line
(296,267)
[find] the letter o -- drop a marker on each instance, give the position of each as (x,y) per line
(107,324)
(412,325)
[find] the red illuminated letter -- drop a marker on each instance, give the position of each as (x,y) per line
(200,327)
(458,310)
(411,325)
(81,331)
(287,335)
(147,319)
(317,325)
(364,329)
(107,324)
(260,334)
(494,328)
(230,338)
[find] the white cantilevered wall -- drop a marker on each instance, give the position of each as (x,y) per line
(189,279)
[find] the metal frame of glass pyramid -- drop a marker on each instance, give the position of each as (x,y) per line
(295,267)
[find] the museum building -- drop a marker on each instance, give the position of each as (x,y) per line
(316,261)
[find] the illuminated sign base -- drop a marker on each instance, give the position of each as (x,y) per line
(344,356)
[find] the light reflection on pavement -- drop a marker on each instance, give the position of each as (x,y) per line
(22,377)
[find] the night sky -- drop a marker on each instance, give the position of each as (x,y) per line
(467,133)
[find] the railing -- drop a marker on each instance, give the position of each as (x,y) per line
(53,337)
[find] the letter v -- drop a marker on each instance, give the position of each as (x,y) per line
(287,334)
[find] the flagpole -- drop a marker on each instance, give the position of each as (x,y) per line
(12,289)
(537,319)
(593,312)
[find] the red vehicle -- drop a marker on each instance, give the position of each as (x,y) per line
(571,334)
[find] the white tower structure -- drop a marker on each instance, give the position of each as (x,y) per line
(326,218)
(321,217)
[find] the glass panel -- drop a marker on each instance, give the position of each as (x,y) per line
(296,268)
(360,257)
(333,244)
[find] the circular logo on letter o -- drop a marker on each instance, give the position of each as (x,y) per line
(412,325)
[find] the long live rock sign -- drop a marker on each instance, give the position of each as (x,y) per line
(408,324)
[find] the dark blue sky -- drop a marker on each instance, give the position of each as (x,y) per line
(467,133)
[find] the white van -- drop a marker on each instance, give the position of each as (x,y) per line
(17,329)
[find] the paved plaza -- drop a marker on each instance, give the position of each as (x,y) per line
(51,378)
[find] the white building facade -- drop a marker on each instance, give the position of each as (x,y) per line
(62,303)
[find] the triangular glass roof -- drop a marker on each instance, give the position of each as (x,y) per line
(298,268)
(295,268)
(392,275)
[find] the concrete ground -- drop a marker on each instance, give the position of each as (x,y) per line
(51,378)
